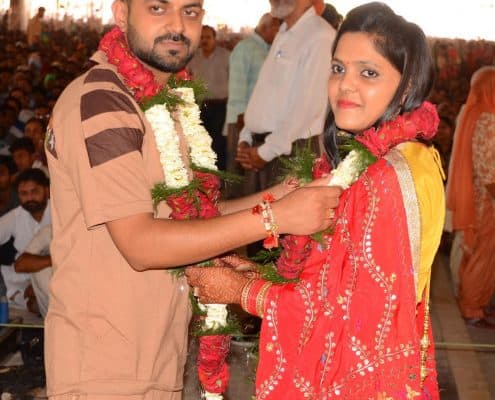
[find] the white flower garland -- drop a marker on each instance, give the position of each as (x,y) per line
(167,139)
(176,174)
(346,172)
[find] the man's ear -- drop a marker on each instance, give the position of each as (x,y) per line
(120,11)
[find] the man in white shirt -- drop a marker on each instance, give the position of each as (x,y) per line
(245,64)
(23,223)
(289,103)
(37,261)
(211,64)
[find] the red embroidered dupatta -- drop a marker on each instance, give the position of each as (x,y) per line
(351,327)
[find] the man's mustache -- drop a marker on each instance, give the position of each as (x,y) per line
(174,37)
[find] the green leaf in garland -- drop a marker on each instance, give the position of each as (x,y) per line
(197,85)
(318,236)
(264,257)
(161,191)
(223,175)
(166,96)
(269,273)
(232,327)
(196,309)
(171,100)
(300,164)
(366,158)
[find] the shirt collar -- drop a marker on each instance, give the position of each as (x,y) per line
(260,40)
(310,12)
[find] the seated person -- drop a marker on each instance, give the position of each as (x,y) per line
(24,154)
(36,260)
(23,223)
(35,129)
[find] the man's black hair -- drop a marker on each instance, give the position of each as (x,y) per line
(35,175)
(23,143)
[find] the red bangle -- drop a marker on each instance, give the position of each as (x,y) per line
(254,295)
(265,210)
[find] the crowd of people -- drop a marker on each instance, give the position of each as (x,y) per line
(72,123)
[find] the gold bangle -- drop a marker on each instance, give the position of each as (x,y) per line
(245,294)
(260,299)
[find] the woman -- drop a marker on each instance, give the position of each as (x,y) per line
(471,198)
(355,325)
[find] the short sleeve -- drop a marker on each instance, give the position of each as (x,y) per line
(103,137)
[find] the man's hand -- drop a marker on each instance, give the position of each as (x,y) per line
(243,157)
(249,158)
(307,210)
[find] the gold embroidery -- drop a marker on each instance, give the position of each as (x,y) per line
(269,384)
(411,207)
(411,394)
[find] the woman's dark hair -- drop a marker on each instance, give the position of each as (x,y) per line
(404,45)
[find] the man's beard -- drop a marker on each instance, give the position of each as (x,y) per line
(170,63)
(34,206)
(282,8)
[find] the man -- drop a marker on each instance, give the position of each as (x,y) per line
(8,196)
(8,201)
(211,64)
(36,261)
(34,28)
(117,323)
(24,154)
(245,64)
(328,12)
(35,129)
(22,223)
(289,104)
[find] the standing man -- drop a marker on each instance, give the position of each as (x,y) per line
(35,27)
(245,64)
(117,323)
(289,104)
(211,65)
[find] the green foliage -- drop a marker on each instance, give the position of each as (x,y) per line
(269,273)
(171,99)
(223,175)
(264,257)
(161,192)
(366,158)
(299,165)
(197,85)
(232,328)
(165,96)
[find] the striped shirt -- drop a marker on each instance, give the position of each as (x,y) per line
(107,323)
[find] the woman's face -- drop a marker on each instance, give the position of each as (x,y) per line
(362,82)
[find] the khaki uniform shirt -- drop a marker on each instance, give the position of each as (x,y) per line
(110,330)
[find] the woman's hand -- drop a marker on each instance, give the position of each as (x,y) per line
(222,285)
(285,187)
